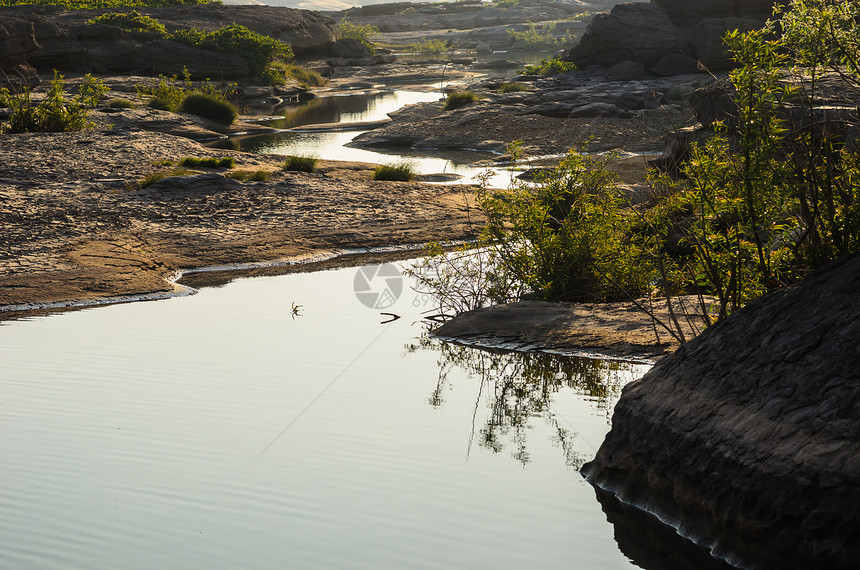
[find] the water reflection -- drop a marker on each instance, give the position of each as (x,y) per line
(519,389)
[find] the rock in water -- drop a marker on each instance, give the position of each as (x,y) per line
(747,440)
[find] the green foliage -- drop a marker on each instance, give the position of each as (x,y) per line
(359,32)
(538,37)
(120,103)
(132,21)
(54,113)
(301,163)
(428,47)
(105,4)
(250,175)
(279,71)
(512,87)
(548,67)
(258,49)
(401,172)
(210,162)
(167,93)
(209,107)
(505,4)
(565,238)
(457,99)
(151,179)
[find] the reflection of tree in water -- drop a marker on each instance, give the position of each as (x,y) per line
(519,388)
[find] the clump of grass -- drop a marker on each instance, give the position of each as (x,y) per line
(120,104)
(512,87)
(548,67)
(428,47)
(401,172)
(301,163)
(278,72)
(209,107)
(457,99)
(151,179)
(211,162)
(250,175)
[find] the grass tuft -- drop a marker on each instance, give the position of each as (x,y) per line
(401,172)
(457,99)
(301,163)
(250,175)
(211,162)
(151,179)
(209,107)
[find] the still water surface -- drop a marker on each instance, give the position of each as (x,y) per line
(220,431)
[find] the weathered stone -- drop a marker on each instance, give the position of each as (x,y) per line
(686,13)
(675,64)
(168,57)
(630,32)
(17,42)
(626,71)
(747,440)
(715,102)
(708,38)
(599,110)
(349,48)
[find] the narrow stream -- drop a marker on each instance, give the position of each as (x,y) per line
(372,105)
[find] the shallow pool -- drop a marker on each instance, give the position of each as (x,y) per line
(275,422)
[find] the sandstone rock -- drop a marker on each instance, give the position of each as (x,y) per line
(675,64)
(747,439)
(17,42)
(630,32)
(600,110)
(165,56)
(708,38)
(205,183)
(715,102)
(349,48)
(686,13)
(626,71)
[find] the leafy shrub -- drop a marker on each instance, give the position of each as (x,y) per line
(151,179)
(105,4)
(512,87)
(359,32)
(277,72)
(428,47)
(132,21)
(401,172)
(257,49)
(548,67)
(250,175)
(54,113)
(209,107)
(301,163)
(121,104)
(457,99)
(534,37)
(210,162)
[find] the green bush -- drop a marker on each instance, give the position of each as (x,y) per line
(209,107)
(250,175)
(301,163)
(359,32)
(512,87)
(257,49)
(534,37)
(548,67)
(428,47)
(457,99)
(210,162)
(278,71)
(54,113)
(401,172)
(151,179)
(132,21)
(121,104)
(105,4)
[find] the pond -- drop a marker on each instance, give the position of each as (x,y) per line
(277,421)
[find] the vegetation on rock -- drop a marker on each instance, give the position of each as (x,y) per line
(257,49)
(105,4)
(301,163)
(209,107)
(132,21)
(53,113)
(401,172)
(359,32)
(457,99)
(548,67)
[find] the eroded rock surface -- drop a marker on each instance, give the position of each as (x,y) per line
(748,438)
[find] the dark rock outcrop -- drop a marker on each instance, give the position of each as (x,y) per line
(648,33)
(49,37)
(747,440)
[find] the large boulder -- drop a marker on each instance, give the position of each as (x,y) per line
(686,13)
(17,42)
(708,39)
(747,440)
(630,32)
